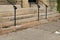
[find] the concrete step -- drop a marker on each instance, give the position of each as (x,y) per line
(11,18)
(4,19)
(21,11)
(23,26)
(11,23)
(22,21)
(20,27)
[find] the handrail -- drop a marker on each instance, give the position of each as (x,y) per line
(46,9)
(14,12)
(43,3)
(38,6)
(39,9)
(21,3)
(10,2)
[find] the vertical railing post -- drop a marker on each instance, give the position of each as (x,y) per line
(38,9)
(12,3)
(46,16)
(21,3)
(38,12)
(15,15)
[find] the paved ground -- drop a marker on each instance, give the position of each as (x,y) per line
(41,32)
(50,27)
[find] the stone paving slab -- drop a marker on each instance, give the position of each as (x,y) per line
(50,27)
(30,34)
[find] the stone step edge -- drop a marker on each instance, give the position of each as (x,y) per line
(25,16)
(11,23)
(27,25)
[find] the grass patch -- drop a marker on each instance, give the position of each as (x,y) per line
(58,5)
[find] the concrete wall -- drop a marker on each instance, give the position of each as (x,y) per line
(25,3)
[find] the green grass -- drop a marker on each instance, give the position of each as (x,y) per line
(58,5)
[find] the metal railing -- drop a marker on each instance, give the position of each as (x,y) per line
(14,11)
(21,3)
(38,11)
(38,6)
(46,16)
